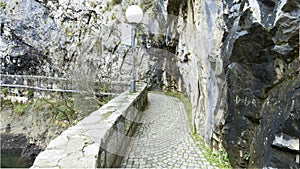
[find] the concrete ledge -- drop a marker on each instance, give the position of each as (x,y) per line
(99,140)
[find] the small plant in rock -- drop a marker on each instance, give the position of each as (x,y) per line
(116,2)
(20,108)
(63,110)
(3,5)
(93,4)
(4,91)
(113,16)
(219,158)
(109,7)
(247,156)
(146,4)
(5,103)
(30,93)
(130,2)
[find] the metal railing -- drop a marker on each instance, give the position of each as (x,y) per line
(48,84)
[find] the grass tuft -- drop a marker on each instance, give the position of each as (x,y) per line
(220,158)
(20,109)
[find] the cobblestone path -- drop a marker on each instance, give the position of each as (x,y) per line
(163,141)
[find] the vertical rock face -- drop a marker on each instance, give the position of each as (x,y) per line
(238,62)
(81,40)
(43,37)
(22,43)
(199,29)
(260,53)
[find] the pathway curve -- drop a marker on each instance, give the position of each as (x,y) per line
(163,141)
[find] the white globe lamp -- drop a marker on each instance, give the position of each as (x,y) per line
(134,14)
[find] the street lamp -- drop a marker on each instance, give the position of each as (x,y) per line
(134,15)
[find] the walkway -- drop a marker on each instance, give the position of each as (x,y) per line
(163,141)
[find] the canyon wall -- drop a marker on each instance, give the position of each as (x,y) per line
(238,61)
(239,64)
(261,59)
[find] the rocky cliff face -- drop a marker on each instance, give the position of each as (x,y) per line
(261,50)
(239,65)
(197,31)
(80,40)
(236,60)
(62,39)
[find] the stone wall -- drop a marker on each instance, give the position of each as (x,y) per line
(99,140)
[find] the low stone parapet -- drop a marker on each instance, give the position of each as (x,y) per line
(99,140)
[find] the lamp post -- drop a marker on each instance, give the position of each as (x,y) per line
(134,15)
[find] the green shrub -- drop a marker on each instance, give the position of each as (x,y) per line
(63,110)
(60,116)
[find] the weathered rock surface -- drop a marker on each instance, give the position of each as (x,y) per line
(80,40)
(238,62)
(16,151)
(38,128)
(23,137)
(194,36)
(261,60)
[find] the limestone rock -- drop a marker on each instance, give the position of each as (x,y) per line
(261,55)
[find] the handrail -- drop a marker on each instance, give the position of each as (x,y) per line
(59,90)
(33,77)
(38,84)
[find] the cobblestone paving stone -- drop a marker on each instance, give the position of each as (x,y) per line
(163,141)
